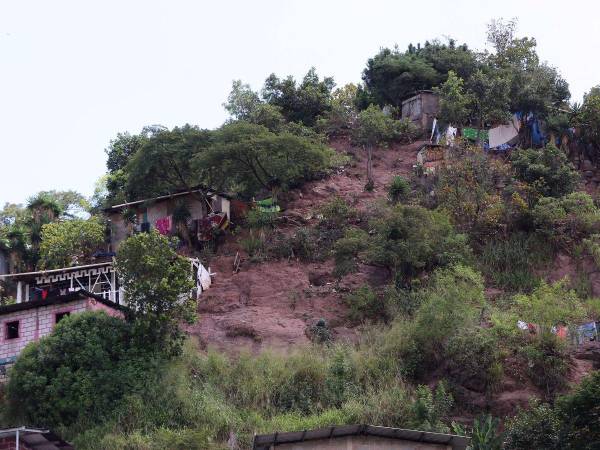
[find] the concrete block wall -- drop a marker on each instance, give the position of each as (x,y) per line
(34,323)
(9,443)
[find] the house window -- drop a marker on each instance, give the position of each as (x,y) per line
(61,316)
(12,330)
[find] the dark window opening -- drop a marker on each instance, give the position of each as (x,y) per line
(62,315)
(12,330)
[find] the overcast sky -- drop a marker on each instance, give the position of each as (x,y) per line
(75,73)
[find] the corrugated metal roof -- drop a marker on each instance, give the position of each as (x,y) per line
(265,441)
(37,439)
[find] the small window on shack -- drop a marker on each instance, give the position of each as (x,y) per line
(12,330)
(61,315)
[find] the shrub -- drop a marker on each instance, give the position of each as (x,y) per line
(364,304)
(347,249)
(337,212)
(473,357)
(64,377)
(566,220)
(547,169)
(399,189)
(484,433)
(258,219)
(452,301)
(411,239)
(580,415)
(537,427)
(546,360)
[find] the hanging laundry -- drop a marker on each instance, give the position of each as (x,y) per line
(586,332)
(433,127)
(450,134)
(163,225)
(204,280)
(504,133)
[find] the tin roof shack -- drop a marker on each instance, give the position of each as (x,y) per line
(359,437)
(24,438)
(157,213)
(22,323)
(421,109)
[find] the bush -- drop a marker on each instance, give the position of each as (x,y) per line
(546,360)
(337,213)
(535,428)
(474,359)
(580,415)
(365,304)
(567,220)
(547,169)
(452,301)
(399,189)
(258,219)
(347,249)
(410,240)
(65,378)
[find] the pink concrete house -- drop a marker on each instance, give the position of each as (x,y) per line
(22,323)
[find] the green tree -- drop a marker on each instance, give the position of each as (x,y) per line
(79,373)
(454,101)
(242,101)
(588,121)
(70,242)
(490,101)
(303,102)
(548,170)
(247,158)
(391,76)
(162,164)
(373,128)
(158,283)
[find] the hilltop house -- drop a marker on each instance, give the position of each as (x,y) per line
(22,323)
(205,208)
(421,109)
(359,437)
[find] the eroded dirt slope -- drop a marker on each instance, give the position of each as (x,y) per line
(271,304)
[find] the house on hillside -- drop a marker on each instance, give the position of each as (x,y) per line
(203,208)
(24,438)
(421,109)
(22,323)
(359,437)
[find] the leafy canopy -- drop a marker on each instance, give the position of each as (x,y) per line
(70,242)
(158,283)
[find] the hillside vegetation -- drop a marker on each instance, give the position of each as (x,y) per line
(375,295)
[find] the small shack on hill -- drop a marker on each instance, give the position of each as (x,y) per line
(421,109)
(199,208)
